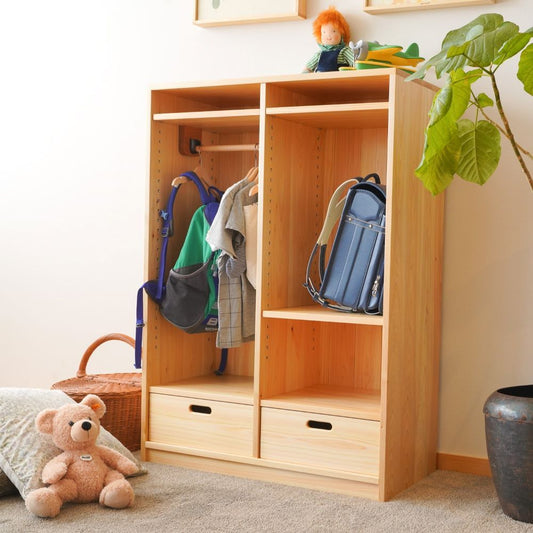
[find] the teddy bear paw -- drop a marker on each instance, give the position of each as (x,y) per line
(117,495)
(44,503)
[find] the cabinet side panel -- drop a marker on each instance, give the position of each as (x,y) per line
(413,299)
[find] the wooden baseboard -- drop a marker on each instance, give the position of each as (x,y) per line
(462,463)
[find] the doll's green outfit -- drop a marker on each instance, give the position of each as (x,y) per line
(330,57)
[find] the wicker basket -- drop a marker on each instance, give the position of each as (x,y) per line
(120,392)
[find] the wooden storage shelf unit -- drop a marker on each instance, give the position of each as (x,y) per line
(345,402)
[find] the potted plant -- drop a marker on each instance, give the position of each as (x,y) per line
(455,145)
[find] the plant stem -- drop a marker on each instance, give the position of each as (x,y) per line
(502,130)
(509,135)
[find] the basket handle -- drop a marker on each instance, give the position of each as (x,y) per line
(81,373)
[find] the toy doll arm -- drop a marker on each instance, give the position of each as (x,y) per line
(55,469)
(347,56)
(116,460)
(311,65)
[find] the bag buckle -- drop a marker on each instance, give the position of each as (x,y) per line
(167,230)
(375,286)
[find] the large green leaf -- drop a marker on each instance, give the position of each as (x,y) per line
(437,171)
(441,105)
(475,44)
(442,148)
(453,99)
(525,69)
(482,50)
(513,46)
(454,37)
(421,72)
(480,150)
(459,49)
(488,22)
(448,106)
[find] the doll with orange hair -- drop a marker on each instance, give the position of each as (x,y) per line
(332,34)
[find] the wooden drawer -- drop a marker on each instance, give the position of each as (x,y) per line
(201,424)
(321,441)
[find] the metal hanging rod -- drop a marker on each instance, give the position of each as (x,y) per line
(197,148)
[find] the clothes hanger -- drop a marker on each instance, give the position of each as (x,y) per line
(197,170)
(184,179)
(176,182)
(251,176)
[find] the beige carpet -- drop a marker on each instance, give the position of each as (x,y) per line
(170,499)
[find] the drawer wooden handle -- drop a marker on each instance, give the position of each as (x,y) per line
(317,424)
(202,409)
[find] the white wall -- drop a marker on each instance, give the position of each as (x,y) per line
(73,167)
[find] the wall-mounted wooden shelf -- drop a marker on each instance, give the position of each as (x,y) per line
(376,7)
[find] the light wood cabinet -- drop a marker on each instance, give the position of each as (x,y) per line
(341,402)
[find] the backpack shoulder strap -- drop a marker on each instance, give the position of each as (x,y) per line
(336,204)
(206,195)
(210,197)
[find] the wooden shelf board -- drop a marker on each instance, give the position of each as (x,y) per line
(227,388)
(336,115)
(329,400)
(241,119)
(316,313)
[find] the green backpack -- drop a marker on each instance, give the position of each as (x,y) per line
(188,299)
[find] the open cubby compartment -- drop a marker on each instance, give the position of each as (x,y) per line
(304,164)
(321,367)
(183,364)
(216,97)
(328,89)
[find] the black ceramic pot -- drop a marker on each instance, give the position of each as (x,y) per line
(509,432)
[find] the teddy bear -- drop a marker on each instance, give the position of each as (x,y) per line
(84,472)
